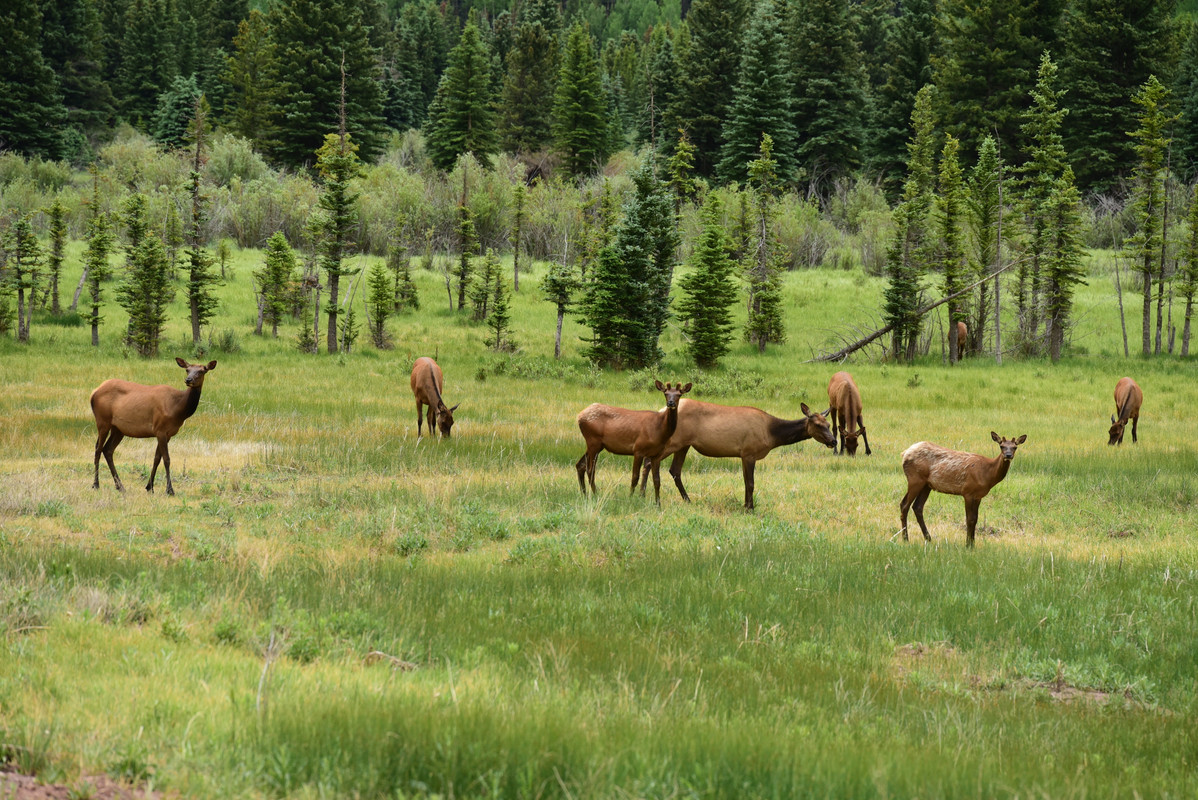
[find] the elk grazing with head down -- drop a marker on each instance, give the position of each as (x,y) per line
(929,466)
(624,432)
(427,381)
(844,400)
(125,409)
(1128,398)
(962,339)
(740,432)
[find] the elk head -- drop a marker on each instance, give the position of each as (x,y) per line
(850,440)
(818,427)
(1116,430)
(445,419)
(1008,445)
(673,393)
(195,372)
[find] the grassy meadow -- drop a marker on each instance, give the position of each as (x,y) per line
(332,607)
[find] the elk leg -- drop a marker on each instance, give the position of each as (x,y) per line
(114,438)
(920,499)
(676,472)
(864,438)
(636,473)
(166,464)
(159,453)
(747,466)
(1134,422)
(581,467)
(656,467)
(904,507)
(838,443)
(99,450)
(420,418)
(971,519)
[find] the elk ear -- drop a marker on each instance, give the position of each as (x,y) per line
(805,409)
(181,362)
(211,365)
(995,436)
(827,411)
(657,385)
(1021,439)
(455,408)
(1112,419)
(686,388)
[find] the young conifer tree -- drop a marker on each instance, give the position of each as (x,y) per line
(1188,285)
(57,217)
(765,324)
(1064,257)
(483,287)
(201,277)
(499,321)
(950,213)
(560,286)
(986,183)
(380,304)
(467,249)
(100,242)
(146,294)
(338,164)
(24,259)
(274,282)
(709,290)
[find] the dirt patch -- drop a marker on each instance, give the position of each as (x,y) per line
(93,787)
(940,656)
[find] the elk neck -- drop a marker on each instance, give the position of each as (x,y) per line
(996,469)
(191,398)
(788,431)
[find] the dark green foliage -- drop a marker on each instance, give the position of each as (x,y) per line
(404,296)
(764,270)
(910,42)
(312,40)
(414,58)
(528,89)
(560,286)
(707,70)
(483,286)
(829,104)
(910,253)
(274,282)
(146,294)
(72,45)
(580,113)
(762,101)
(380,304)
(134,220)
(57,219)
(338,165)
(248,98)
(201,277)
(23,259)
(519,195)
(461,118)
(467,249)
(986,199)
(32,115)
(1185,142)
(305,340)
(499,321)
(681,168)
(709,291)
(148,61)
(100,242)
(659,91)
(1187,285)
(950,250)
(1111,48)
(1063,259)
(176,109)
(626,305)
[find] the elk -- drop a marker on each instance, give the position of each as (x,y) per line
(962,339)
(1128,398)
(929,466)
(844,399)
(427,382)
(640,434)
(740,432)
(125,409)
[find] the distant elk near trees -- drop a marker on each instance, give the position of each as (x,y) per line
(962,339)
(427,382)
(1128,399)
(845,405)
(740,432)
(929,466)
(125,409)
(624,432)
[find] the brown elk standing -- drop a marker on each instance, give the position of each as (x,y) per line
(929,466)
(962,339)
(125,409)
(1128,398)
(640,434)
(740,432)
(844,400)
(427,381)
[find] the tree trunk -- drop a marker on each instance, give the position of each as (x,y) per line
(79,290)
(1185,331)
(557,338)
(334,279)
(1122,317)
(1146,327)
(997,275)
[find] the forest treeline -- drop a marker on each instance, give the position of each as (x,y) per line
(954,147)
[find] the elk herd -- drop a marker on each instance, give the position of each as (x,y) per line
(122,408)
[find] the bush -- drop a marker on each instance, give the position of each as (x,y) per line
(232,157)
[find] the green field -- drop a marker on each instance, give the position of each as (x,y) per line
(330,607)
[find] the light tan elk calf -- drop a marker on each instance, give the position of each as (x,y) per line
(624,432)
(125,409)
(740,432)
(929,466)
(427,381)
(1128,399)
(844,399)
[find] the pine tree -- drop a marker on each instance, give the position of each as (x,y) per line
(560,287)
(681,171)
(1110,49)
(467,249)
(499,321)
(274,282)
(201,278)
(764,323)
(910,252)
(1185,141)
(707,70)
(23,259)
(380,303)
(405,296)
(323,52)
(528,89)
(338,165)
(829,104)
(986,184)
(950,250)
(483,286)
(580,113)
(1148,193)
(461,119)
(175,112)
(660,91)
(100,242)
(1188,285)
(146,294)
(519,195)
(1064,257)
(148,63)
(72,45)
(57,218)
(709,291)
(32,115)
(244,78)
(762,101)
